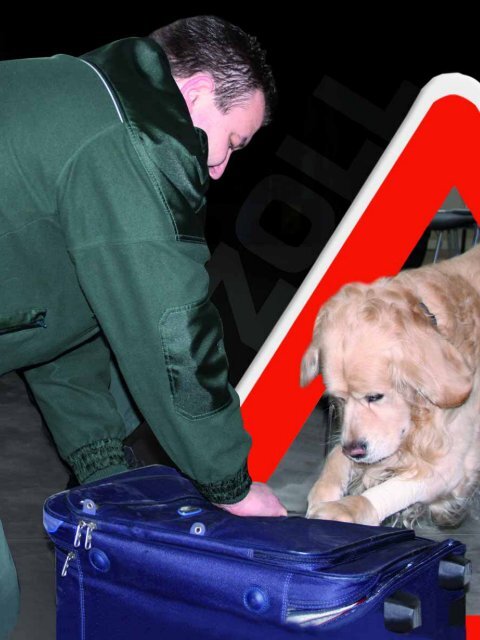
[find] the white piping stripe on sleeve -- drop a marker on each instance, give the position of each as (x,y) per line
(106,85)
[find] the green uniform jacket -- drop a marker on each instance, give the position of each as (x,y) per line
(103,180)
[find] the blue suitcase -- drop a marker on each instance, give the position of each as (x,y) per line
(144,555)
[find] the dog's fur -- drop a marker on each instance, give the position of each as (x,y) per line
(415,340)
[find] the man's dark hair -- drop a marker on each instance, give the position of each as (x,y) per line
(233,58)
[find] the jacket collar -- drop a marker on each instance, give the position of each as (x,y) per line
(138,72)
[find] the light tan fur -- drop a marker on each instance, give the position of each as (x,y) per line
(421,439)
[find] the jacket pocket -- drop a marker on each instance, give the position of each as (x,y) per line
(20,320)
(197,366)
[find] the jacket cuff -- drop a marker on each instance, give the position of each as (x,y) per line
(228,491)
(98,456)
(106,473)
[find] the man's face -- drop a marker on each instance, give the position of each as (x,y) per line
(226,132)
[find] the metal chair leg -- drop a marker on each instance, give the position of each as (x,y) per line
(437,248)
(476,236)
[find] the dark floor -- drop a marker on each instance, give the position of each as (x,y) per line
(30,471)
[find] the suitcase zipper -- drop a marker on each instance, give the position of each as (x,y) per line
(307,560)
(89,526)
(89,508)
(324,560)
(70,556)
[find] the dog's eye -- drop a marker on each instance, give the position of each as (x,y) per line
(375,397)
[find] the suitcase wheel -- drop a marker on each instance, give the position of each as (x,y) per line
(402,612)
(454,572)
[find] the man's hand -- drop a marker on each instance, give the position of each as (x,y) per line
(259,501)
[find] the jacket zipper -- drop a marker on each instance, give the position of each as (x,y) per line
(38,320)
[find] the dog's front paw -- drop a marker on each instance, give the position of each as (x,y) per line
(349,509)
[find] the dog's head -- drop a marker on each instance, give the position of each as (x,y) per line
(381,355)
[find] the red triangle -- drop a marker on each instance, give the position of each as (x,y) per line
(443,152)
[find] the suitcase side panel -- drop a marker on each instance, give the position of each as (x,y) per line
(130,586)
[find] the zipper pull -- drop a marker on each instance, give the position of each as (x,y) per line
(90,526)
(88,537)
(78,533)
(66,564)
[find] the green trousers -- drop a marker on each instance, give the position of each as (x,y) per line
(9,591)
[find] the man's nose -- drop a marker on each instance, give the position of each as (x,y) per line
(216,171)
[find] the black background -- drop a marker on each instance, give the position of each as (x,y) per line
(372,53)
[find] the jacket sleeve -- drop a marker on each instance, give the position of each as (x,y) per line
(135,234)
(73,395)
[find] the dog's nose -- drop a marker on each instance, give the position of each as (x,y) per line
(356,449)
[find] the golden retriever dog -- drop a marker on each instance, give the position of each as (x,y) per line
(401,358)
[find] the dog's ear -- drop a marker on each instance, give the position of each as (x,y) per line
(435,369)
(310,367)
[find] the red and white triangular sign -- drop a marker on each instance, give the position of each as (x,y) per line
(436,147)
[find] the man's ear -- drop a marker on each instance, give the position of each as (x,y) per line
(195,88)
